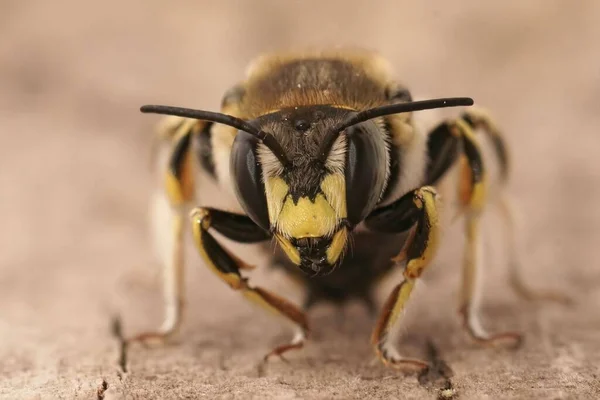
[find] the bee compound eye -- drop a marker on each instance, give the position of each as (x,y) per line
(365,170)
(246,174)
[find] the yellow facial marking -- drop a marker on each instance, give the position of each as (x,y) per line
(307,218)
(338,243)
(290,250)
(334,187)
(276,189)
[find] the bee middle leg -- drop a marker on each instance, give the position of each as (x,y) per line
(416,210)
(481,120)
(473,196)
(168,214)
(227,267)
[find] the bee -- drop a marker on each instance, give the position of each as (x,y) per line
(322,153)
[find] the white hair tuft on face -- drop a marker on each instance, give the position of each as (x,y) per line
(336,161)
(271,166)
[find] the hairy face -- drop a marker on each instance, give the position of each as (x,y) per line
(306,200)
(311,204)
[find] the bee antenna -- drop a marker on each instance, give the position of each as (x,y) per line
(389,109)
(266,138)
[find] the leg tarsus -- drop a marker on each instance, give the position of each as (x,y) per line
(296,343)
(384,335)
(471,290)
(510,340)
(173,280)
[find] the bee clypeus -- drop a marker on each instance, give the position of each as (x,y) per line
(321,150)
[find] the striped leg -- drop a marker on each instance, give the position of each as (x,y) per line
(419,211)
(227,267)
(473,196)
(168,214)
(477,118)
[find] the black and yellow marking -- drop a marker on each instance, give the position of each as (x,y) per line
(417,208)
(179,178)
(472,190)
(396,217)
(454,141)
(474,196)
(179,191)
(479,119)
(280,85)
(237,227)
(227,266)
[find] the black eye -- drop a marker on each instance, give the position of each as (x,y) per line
(365,170)
(246,174)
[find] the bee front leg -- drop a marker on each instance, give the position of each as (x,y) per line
(227,267)
(416,210)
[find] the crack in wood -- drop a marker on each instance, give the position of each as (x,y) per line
(117,331)
(102,388)
(438,374)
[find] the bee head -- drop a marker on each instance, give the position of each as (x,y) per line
(310,203)
(310,174)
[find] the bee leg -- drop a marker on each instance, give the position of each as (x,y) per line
(417,209)
(227,267)
(480,119)
(473,197)
(516,280)
(173,282)
(443,148)
(169,223)
(471,291)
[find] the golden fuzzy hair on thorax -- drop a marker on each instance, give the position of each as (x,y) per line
(354,79)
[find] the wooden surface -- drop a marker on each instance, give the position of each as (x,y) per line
(75,180)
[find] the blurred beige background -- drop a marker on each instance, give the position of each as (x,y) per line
(74,184)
